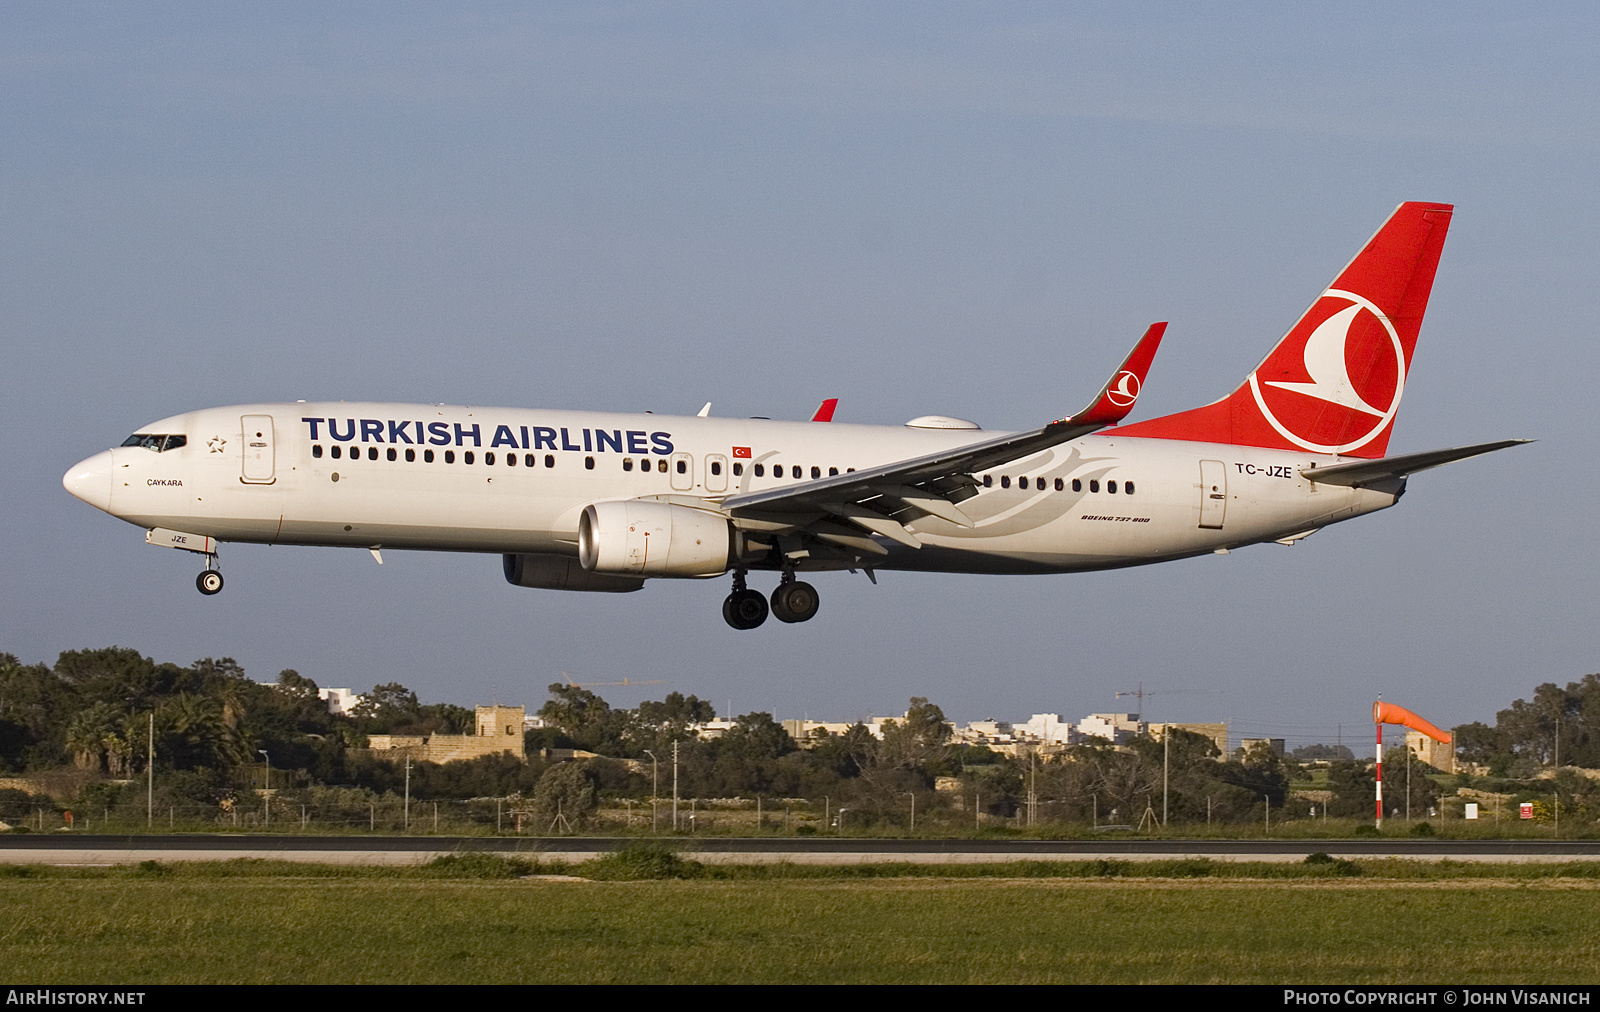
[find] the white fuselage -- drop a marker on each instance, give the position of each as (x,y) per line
(516,481)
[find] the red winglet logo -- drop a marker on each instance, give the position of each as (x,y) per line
(825,410)
(1121,391)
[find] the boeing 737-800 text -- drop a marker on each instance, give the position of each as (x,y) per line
(590,501)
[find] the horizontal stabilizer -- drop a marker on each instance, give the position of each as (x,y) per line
(1369,472)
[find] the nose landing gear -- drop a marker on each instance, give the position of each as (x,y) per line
(210,579)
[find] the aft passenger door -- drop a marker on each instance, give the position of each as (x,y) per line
(1213,493)
(258,452)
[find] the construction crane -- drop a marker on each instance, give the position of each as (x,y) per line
(1139,694)
(626,681)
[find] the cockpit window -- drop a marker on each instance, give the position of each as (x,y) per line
(155,441)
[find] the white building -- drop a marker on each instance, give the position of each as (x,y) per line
(1048,729)
(1116,728)
(340,701)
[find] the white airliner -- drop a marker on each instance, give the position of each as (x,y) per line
(592,501)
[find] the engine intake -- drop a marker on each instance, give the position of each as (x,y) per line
(643,538)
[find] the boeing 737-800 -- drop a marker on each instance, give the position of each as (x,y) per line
(590,501)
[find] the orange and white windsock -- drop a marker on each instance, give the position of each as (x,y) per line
(1388,713)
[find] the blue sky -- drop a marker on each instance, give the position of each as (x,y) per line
(967,210)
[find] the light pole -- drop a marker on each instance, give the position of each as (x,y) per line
(913,798)
(150,776)
(653,792)
(267,796)
(674,787)
(1166,757)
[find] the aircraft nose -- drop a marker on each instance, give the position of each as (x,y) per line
(90,480)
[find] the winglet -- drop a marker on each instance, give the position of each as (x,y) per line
(825,410)
(1121,391)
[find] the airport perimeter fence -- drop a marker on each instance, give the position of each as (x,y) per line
(387,814)
(356,811)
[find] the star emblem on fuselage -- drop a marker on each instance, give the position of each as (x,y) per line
(216,444)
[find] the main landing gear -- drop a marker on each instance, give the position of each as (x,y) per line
(210,579)
(792,601)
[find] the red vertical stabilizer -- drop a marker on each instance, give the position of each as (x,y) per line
(1333,384)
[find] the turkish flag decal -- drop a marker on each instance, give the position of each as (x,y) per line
(741,451)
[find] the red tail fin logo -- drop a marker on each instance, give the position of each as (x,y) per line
(1350,356)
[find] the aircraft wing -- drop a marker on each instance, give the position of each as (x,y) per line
(1369,472)
(880,500)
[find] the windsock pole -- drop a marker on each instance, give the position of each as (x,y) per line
(1379,781)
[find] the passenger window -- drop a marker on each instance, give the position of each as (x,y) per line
(549,460)
(1005,481)
(627,463)
(832,471)
(662,466)
(1060,485)
(372,453)
(988,481)
(335,451)
(1111,487)
(1094,485)
(467,456)
(511,460)
(1038,483)
(528,460)
(427,456)
(1022,482)
(1127,487)
(1077,485)
(488,458)
(588,463)
(449,456)
(716,467)
(816,472)
(392,454)
(411,455)
(761,470)
(316,449)
(738,469)
(683,467)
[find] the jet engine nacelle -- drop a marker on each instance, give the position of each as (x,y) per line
(562,572)
(636,537)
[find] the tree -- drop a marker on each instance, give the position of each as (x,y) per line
(676,708)
(86,734)
(917,739)
(567,790)
(385,708)
(585,718)
(755,736)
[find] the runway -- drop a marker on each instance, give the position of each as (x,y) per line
(105,850)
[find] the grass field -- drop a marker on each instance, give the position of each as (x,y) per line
(275,923)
